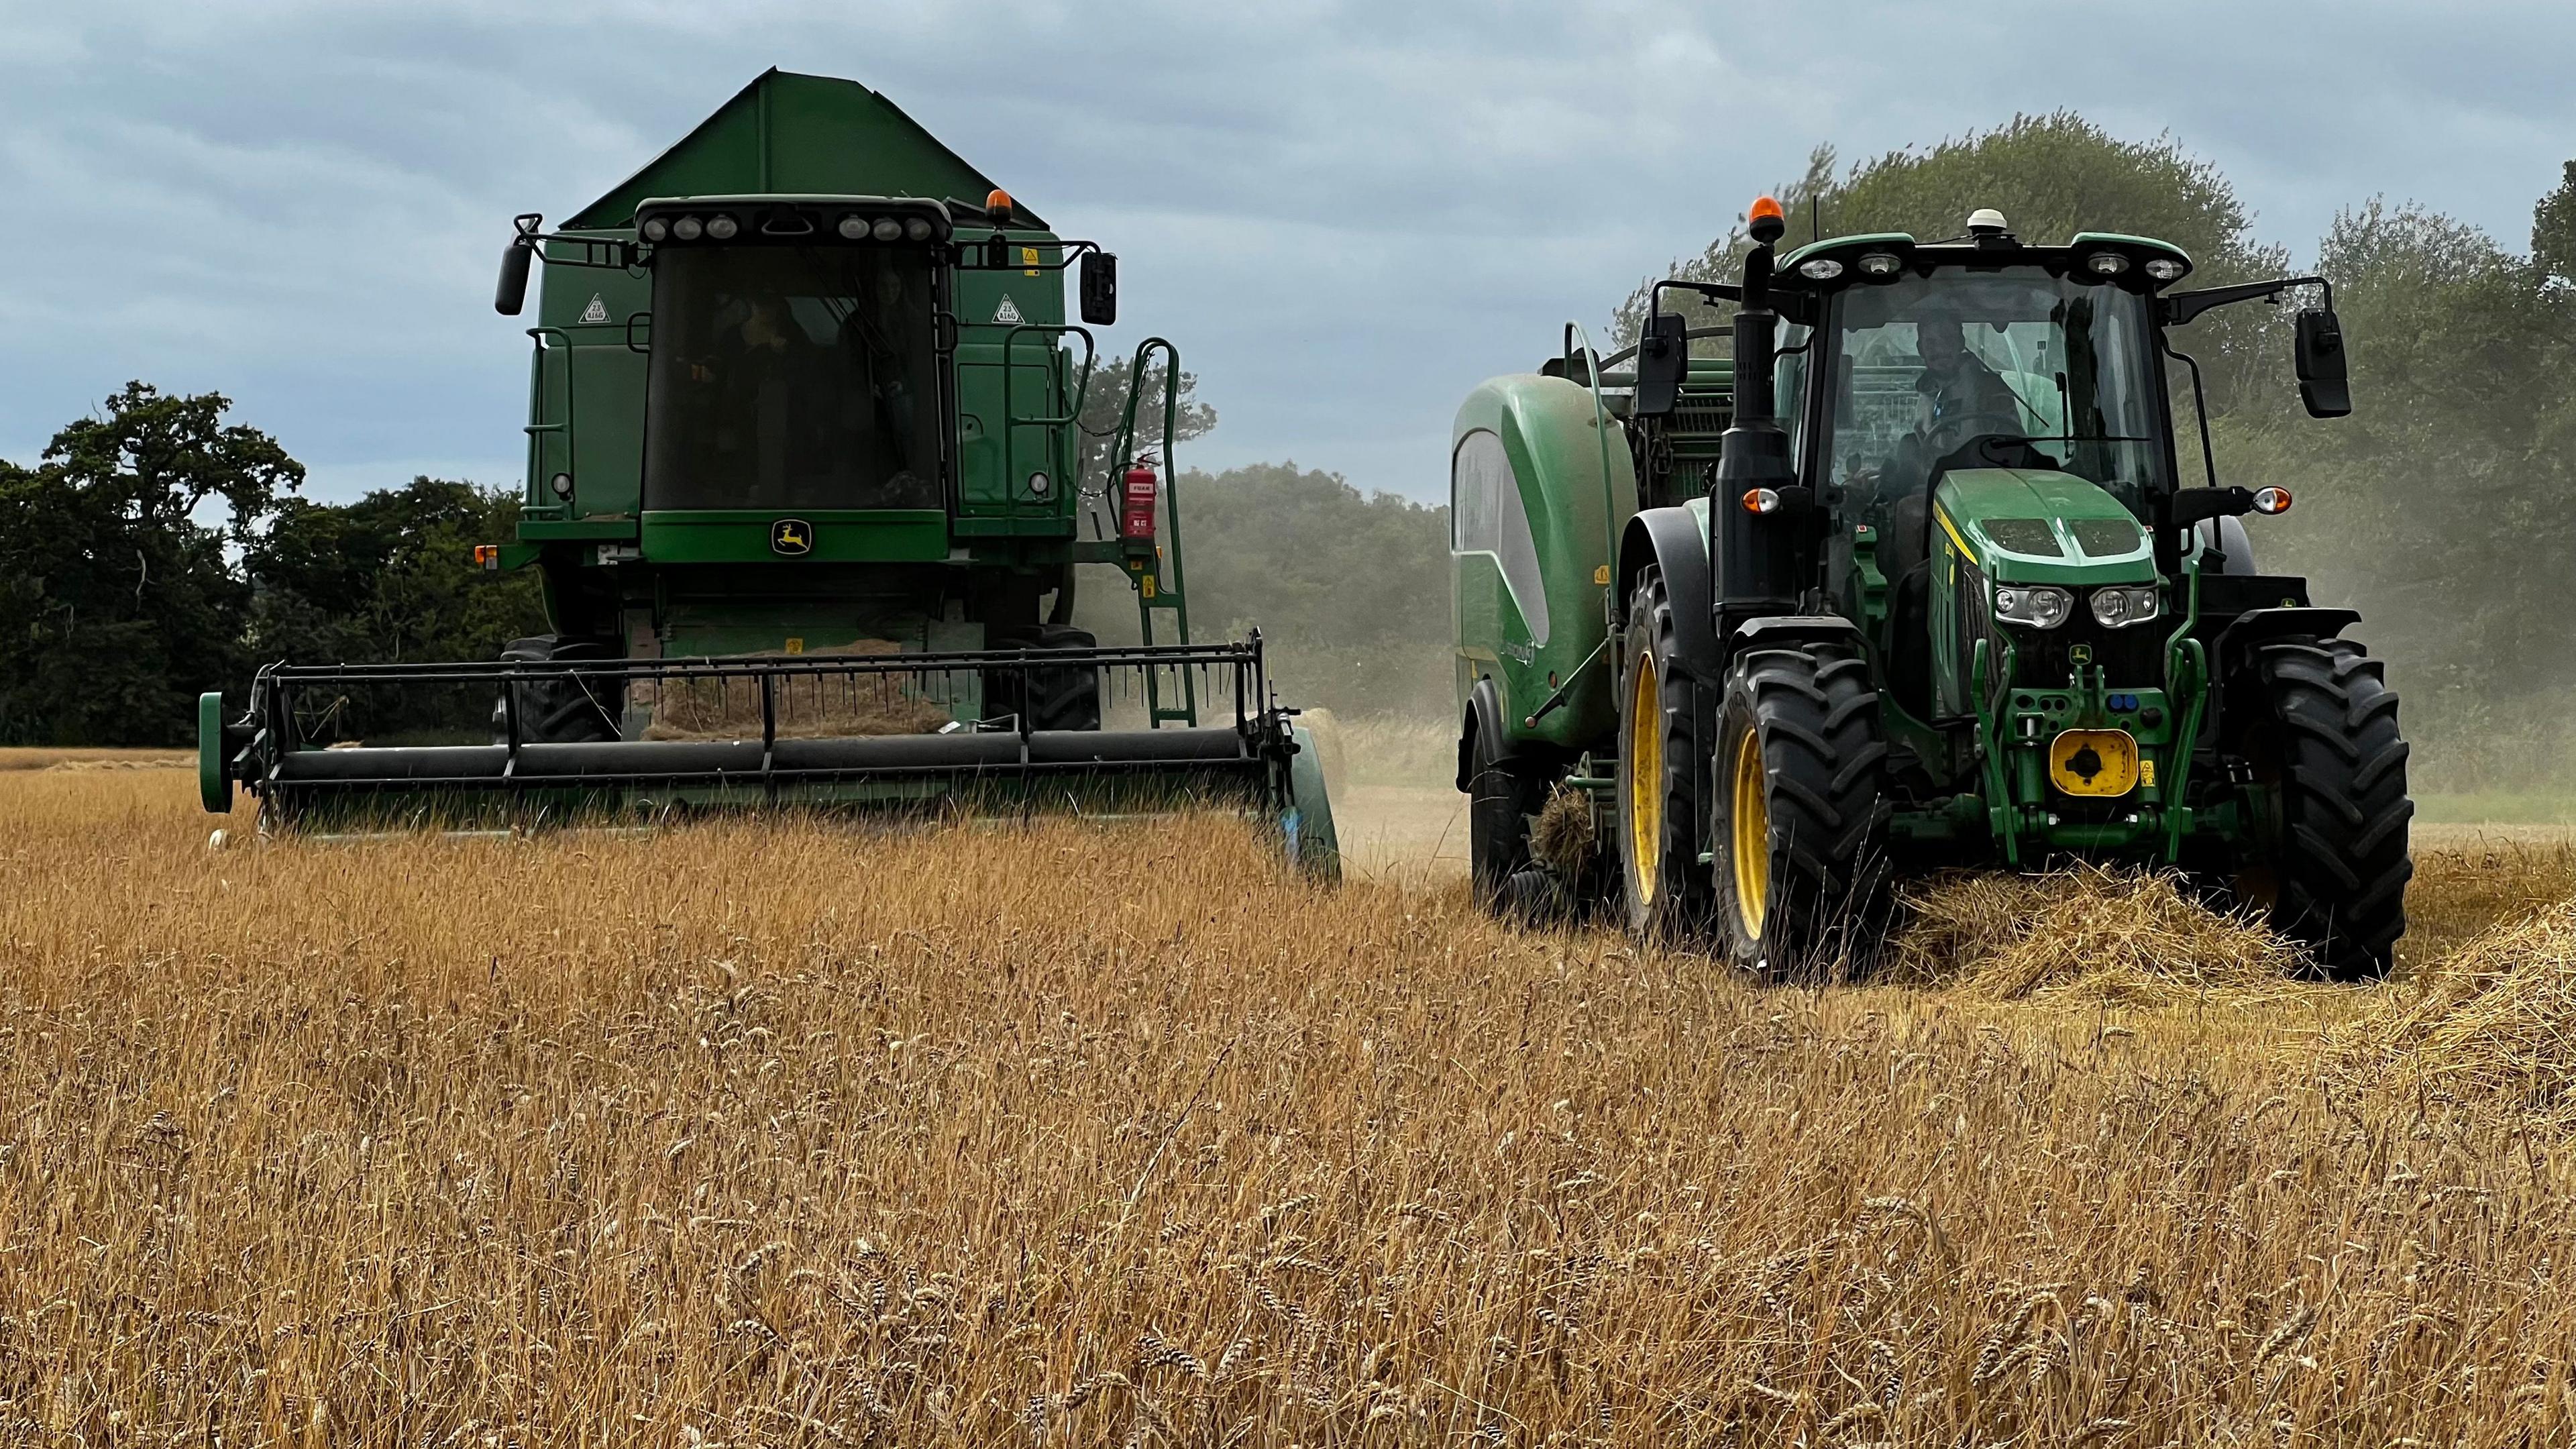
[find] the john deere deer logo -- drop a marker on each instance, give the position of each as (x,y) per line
(791,536)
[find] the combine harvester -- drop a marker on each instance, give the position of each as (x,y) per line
(804,489)
(1912,581)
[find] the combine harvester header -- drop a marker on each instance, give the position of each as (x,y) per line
(805,489)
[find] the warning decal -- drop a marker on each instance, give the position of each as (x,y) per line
(1008,314)
(596,314)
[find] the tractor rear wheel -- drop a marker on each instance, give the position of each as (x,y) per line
(1665,885)
(1502,795)
(1801,814)
(560,711)
(2327,858)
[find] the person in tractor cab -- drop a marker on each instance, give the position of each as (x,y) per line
(1957,385)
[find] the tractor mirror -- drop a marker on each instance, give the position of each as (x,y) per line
(1099,285)
(512,294)
(1663,360)
(2321,365)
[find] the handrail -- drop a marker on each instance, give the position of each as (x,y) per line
(539,495)
(1012,422)
(1122,455)
(1609,502)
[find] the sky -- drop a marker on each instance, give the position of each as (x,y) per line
(1346,214)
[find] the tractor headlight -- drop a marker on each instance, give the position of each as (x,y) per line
(2108,264)
(854,228)
(2166,269)
(887,229)
(722,228)
(2041,606)
(2120,606)
(687,228)
(1822,269)
(917,230)
(656,229)
(1879,264)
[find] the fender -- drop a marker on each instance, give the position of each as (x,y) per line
(1670,538)
(2265,626)
(1780,631)
(1484,712)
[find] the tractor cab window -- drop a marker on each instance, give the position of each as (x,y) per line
(2008,368)
(792,377)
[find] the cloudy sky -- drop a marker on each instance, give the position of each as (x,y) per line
(1347,214)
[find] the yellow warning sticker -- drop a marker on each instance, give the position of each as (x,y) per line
(1148,581)
(2146,772)
(1601,575)
(795,646)
(1029,259)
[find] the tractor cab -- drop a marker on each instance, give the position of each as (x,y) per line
(1982,413)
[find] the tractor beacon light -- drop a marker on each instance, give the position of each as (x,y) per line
(1761,500)
(1766,220)
(1136,514)
(2272,500)
(998,202)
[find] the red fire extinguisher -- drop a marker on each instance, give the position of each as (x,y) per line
(1136,511)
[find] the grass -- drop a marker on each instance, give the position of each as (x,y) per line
(754,1133)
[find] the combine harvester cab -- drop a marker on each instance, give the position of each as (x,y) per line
(1917,576)
(805,491)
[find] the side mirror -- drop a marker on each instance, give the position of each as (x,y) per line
(2321,365)
(512,294)
(1099,286)
(1663,360)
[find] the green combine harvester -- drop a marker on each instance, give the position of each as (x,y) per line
(805,490)
(1912,580)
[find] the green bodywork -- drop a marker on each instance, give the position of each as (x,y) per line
(1977,743)
(690,581)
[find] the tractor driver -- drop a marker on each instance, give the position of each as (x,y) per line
(1963,398)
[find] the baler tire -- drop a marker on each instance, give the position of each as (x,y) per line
(1801,768)
(2334,845)
(558,711)
(1665,896)
(1502,795)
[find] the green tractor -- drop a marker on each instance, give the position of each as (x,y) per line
(1911,580)
(805,488)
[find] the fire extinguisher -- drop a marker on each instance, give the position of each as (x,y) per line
(1136,503)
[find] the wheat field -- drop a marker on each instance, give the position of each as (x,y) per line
(791,1133)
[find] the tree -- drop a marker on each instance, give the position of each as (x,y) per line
(118,601)
(1104,406)
(1350,591)
(2051,176)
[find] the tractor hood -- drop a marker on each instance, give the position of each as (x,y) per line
(2035,526)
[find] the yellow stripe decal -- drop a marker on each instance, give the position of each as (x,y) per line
(1952,529)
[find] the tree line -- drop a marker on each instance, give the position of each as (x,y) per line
(158,549)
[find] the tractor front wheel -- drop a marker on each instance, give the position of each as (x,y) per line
(2327,857)
(1502,795)
(1800,819)
(1665,884)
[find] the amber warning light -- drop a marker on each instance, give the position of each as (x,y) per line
(487,555)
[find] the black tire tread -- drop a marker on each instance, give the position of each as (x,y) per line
(1816,721)
(2343,863)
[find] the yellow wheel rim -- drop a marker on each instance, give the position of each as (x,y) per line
(1752,836)
(1646,780)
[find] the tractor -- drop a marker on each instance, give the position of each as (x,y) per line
(805,489)
(1914,577)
